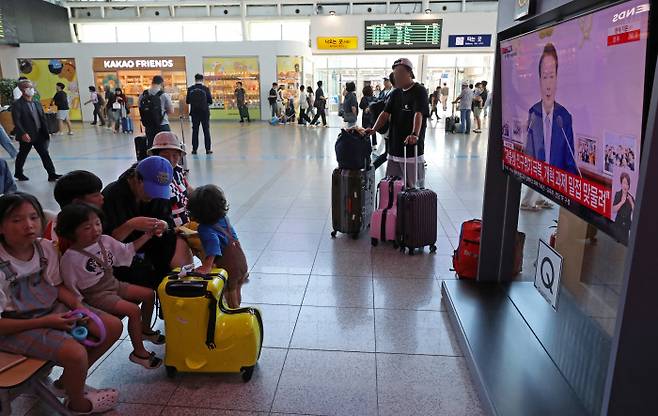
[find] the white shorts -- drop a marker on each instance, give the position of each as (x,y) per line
(62,114)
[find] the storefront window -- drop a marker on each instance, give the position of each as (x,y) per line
(221,75)
(45,74)
(166,32)
(289,74)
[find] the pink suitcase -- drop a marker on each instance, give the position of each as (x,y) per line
(384,219)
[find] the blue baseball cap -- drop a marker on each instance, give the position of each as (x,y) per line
(157,175)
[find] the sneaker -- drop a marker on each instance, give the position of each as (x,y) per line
(155,337)
(208,152)
(194,152)
(150,363)
(241,121)
(21,177)
(54,177)
(70,133)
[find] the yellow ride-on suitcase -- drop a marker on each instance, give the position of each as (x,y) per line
(203,334)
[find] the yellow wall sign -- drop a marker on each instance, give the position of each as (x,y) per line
(349,42)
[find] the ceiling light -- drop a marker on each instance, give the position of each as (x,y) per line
(332,13)
(428,11)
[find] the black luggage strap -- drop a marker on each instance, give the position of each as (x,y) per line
(212,321)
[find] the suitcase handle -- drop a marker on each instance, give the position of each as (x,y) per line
(415,170)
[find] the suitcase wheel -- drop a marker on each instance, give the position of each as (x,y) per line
(171,371)
(374,242)
(247,372)
(333,234)
(432,249)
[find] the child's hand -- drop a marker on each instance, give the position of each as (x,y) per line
(59,321)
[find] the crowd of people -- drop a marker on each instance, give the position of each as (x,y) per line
(106,251)
(619,156)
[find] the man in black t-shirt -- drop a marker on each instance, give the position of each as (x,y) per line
(408,110)
(62,102)
(320,104)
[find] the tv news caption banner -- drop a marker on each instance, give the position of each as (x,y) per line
(590,194)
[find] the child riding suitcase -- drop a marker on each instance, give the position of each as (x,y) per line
(203,334)
(416,215)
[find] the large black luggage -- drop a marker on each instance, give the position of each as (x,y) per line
(53,123)
(417,220)
(141,147)
(452,122)
(351,200)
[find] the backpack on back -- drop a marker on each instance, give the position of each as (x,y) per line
(198,100)
(352,150)
(150,109)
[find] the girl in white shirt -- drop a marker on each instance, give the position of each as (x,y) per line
(86,268)
(34,306)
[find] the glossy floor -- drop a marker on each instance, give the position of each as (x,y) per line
(349,329)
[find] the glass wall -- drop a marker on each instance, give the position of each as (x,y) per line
(222,74)
(453,69)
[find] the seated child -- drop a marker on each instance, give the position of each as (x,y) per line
(75,186)
(86,268)
(34,304)
(207,205)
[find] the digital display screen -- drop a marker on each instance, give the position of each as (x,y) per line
(572,105)
(7,28)
(405,34)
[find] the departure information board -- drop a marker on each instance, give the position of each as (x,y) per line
(7,29)
(403,34)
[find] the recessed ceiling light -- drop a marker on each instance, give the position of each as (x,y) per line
(428,11)
(332,13)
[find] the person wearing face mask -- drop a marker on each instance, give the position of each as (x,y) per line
(154,107)
(31,131)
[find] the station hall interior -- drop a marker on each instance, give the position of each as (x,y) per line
(328,208)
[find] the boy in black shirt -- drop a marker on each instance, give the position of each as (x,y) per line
(62,102)
(408,110)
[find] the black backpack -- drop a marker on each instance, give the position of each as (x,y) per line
(150,109)
(198,100)
(353,150)
(376,108)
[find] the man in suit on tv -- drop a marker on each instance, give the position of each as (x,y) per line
(550,132)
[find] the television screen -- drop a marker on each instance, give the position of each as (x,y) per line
(573,99)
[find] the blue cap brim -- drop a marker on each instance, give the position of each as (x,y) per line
(157,191)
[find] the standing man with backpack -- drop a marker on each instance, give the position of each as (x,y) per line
(199,99)
(154,108)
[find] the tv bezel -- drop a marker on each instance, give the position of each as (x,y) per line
(599,221)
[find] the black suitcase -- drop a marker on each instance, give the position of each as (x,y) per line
(53,123)
(417,220)
(141,147)
(351,200)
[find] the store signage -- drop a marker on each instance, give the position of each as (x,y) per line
(548,272)
(522,8)
(345,42)
(176,63)
(469,41)
(403,34)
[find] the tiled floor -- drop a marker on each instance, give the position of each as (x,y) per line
(350,329)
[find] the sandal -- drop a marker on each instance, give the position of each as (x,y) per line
(101,401)
(154,337)
(150,363)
